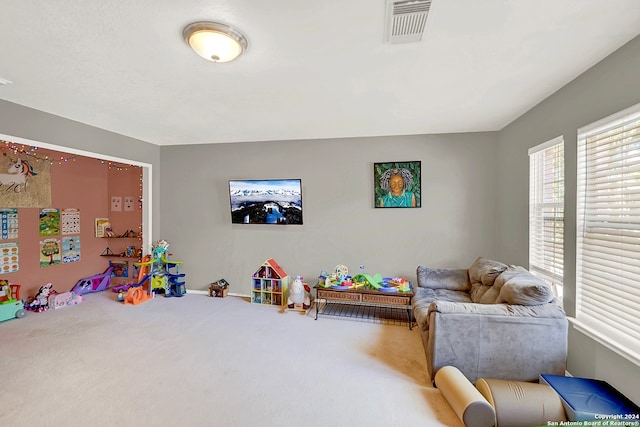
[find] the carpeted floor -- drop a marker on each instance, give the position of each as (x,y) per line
(201,361)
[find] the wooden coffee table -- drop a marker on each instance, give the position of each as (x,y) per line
(364,303)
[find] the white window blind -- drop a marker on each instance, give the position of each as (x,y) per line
(608,231)
(546,212)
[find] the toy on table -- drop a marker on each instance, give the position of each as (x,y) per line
(369,281)
(336,279)
(401,283)
(96,283)
(40,302)
(11,306)
(299,296)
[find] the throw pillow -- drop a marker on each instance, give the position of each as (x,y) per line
(507,274)
(443,278)
(525,289)
(485,270)
(491,296)
(477,292)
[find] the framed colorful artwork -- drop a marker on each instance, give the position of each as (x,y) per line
(397,184)
(120,268)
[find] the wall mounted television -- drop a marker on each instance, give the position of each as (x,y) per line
(266,201)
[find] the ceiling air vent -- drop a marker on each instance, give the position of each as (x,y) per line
(405,20)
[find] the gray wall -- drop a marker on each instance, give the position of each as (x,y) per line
(341,226)
(610,86)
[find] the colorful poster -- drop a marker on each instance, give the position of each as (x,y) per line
(49,222)
(9,222)
(27,183)
(70,221)
(50,252)
(120,268)
(9,260)
(70,249)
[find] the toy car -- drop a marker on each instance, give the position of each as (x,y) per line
(11,309)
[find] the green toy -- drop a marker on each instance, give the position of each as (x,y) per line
(374,281)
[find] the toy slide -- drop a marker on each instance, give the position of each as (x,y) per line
(144,264)
(374,281)
(141,281)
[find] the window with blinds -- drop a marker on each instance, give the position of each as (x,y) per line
(546,212)
(608,232)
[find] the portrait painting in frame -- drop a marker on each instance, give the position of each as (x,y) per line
(397,184)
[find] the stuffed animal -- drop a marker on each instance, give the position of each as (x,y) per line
(40,302)
(299,294)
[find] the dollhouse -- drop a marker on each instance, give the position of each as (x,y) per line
(269,284)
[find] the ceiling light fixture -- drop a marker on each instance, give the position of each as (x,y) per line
(215,41)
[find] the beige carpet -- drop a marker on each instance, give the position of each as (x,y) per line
(201,361)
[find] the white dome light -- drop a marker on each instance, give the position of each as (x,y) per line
(214,41)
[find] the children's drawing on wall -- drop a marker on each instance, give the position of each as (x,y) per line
(9,223)
(129,203)
(397,184)
(116,203)
(50,252)
(24,183)
(70,249)
(49,222)
(9,260)
(70,221)
(120,268)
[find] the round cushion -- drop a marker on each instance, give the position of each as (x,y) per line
(465,400)
(521,404)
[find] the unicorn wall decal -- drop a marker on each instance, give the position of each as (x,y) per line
(18,172)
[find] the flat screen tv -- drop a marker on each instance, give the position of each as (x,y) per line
(267,201)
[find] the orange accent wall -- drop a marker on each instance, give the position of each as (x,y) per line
(86,184)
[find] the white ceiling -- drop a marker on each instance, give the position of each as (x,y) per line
(313,69)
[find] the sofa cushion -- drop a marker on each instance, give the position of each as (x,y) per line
(491,296)
(492,293)
(425,296)
(485,271)
(508,273)
(443,278)
(478,290)
(523,288)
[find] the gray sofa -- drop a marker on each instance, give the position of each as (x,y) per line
(491,320)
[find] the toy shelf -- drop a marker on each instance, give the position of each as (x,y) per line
(123,253)
(120,256)
(269,284)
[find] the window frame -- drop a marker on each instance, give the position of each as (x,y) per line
(608,232)
(547,212)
